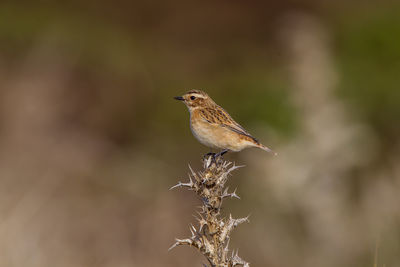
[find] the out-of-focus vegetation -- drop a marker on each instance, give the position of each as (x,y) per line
(91,138)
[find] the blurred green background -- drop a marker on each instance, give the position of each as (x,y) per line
(91,138)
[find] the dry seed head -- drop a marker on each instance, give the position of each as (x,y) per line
(212,236)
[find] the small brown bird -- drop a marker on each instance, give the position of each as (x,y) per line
(214,127)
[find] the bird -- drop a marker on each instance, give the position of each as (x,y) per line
(212,126)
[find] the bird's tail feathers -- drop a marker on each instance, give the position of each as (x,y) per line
(267,149)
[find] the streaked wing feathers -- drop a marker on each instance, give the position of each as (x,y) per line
(230,127)
(217,115)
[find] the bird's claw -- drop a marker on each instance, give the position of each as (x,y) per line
(215,156)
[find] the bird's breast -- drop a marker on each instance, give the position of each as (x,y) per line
(203,131)
(215,135)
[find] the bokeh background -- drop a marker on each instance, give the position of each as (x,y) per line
(91,139)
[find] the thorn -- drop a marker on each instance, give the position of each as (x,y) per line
(193,173)
(226,191)
(234,167)
(192,230)
(234,194)
(240,221)
(226,164)
(202,224)
(231,195)
(173,246)
(175,186)
(181,242)
(180,184)
(207,163)
(227,245)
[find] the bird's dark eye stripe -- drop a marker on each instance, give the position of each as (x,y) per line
(193,97)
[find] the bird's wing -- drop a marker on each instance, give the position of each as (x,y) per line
(219,117)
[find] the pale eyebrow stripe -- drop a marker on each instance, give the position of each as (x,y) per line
(197,95)
(194,92)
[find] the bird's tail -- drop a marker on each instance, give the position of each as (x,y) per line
(267,149)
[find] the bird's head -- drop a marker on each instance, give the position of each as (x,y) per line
(195,99)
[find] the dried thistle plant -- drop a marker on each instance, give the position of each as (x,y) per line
(212,235)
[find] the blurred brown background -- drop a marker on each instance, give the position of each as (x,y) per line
(91,138)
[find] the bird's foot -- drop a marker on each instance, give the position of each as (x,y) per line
(215,156)
(220,154)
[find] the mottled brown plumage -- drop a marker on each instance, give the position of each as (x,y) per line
(213,126)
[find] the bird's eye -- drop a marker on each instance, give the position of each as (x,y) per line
(193,97)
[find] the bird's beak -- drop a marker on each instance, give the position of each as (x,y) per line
(179,98)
